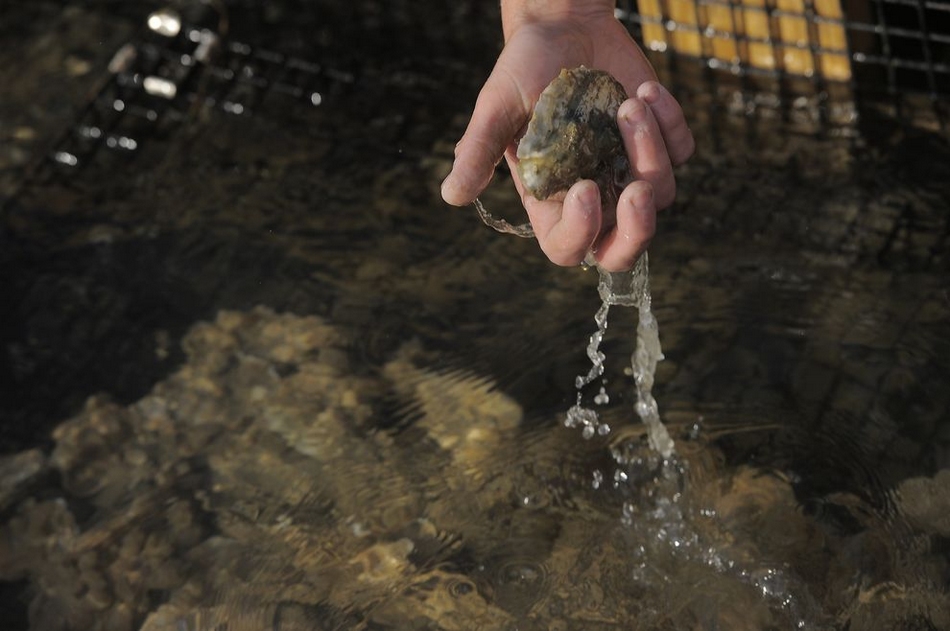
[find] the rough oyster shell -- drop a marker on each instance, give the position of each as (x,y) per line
(573,135)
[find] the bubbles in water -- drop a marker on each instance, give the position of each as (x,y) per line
(584,418)
(460,588)
(628,512)
(518,584)
(680,541)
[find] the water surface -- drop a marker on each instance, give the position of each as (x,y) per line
(256,374)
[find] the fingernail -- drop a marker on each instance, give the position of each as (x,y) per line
(642,198)
(447,187)
(649,92)
(587,195)
(632,111)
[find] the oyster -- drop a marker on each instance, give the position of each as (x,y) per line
(573,135)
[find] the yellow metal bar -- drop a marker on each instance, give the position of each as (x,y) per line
(768,34)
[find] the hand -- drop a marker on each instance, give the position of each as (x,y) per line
(539,43)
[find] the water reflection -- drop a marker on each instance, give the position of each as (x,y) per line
(290,389)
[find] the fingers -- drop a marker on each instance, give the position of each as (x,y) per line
(498,116)
(620,248)
(656,137)
(566,230)
(648,155)
(670,119)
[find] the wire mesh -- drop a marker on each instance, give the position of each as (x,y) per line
(816,65)
(177,66)
(827,60)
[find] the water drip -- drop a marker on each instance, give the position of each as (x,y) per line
(628,289)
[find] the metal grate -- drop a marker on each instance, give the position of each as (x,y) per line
(836,57)
(177,65)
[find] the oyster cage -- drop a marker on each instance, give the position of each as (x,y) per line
(181,62)
(818,64)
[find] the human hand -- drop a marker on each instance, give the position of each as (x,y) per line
(540,41)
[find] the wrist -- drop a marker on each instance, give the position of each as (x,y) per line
(515,13)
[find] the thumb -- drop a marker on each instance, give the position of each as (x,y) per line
(500,113)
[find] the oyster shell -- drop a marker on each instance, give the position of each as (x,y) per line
(573,135)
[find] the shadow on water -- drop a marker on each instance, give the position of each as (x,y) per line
(255,373)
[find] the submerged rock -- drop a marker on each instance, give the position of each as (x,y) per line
(258,487)
(17,473)
(926,502)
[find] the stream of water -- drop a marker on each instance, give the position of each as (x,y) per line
(628,289)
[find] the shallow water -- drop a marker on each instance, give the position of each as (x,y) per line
(257,374)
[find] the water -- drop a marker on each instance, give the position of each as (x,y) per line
(259,375)
(629,289)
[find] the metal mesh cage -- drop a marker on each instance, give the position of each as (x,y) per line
(839,57)
(817,65)
(177,64)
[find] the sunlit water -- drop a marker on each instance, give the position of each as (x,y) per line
(260,377)
(628,289)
